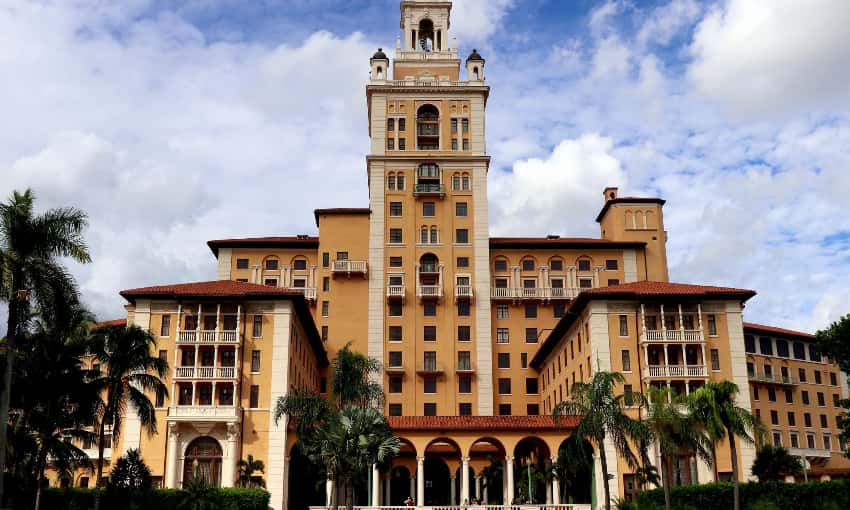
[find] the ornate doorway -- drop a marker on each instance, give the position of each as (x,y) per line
(203,461)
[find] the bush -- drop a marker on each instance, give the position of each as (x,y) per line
(156,499)
(754,496)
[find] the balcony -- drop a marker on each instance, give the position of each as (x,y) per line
(208,337)
(347,267)
(213,413)
(675,371)
(773,379)
(465,367)
(429,291)
(309,292)
(563,292)
(463,292)
(810,453)
(429,268)
(429,188)
(545,293)
(394,368)
(429,368)
(672,335)
(207,373)
(395,292)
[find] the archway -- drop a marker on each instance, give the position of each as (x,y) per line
(428,128)
(306,480)
(439,455)
(532,470)
(487,454)
(426,35)
(399,486)
(202,461)
(575,471)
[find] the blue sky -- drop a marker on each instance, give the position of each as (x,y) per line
(173,123)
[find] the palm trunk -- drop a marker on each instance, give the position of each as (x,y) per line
(734,451)
(39,478)
(604,461)
(714,460)
(99,463)
(665,481)
(5,399)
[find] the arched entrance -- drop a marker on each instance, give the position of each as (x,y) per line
(399,486)
(532,470)
(202,461)
(304,491)
(440,454)
(488,455)
(575,471)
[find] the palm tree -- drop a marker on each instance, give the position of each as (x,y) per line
(603,416)
(30,248)
(714,407)
(672,430)
(774,463)
(247,468)
(351,379)
(131,373)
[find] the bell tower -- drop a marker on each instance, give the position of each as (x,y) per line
(429,276)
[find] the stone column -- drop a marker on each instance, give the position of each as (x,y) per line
(412,487)
(556,485)
(464,480)
(420,481)
(231,457)
(387,492)
(548,494)
(285,482)
(484,492)
(172,468)
(510,480)
(452,490)
(329,493)
(478,487)
(376,486)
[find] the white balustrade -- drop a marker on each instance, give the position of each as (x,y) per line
(672,335)
(675,371)
(208,336)
(349,266)
(395,290)
(228,336)
(464,291)
(218,412)
(501,292)
(184,372)
(187,336)
(429,291)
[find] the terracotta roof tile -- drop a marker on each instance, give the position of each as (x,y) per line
(402,423)
(561,242)
(628,200)
(113,322)
(300,241)
(216,288)
(779,331)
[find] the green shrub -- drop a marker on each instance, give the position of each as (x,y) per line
(157,499)
(754,496)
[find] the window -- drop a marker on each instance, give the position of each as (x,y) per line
(751,369)
(241,263)
(428,208)
(462,236)
(807,419)
(627,361)
(324,333)
(782,348)
(466,144)
(270,282)
(504,409)
(257,330)
(810,440)
(531,386)
(394,309)
(395,261)
(771,394)
(585,283)
(556,265)
(532,409)
(827,441)
(465,125)
(454,144)
(396,384)
(502,311)
(584,265)
(523,359)
(429,333)
(755,392)
(464,409)
(611,265)
(628,396)
(395,209)
(765,346)
(799,350)
(165,328)
(464,361)
(325,308)
(430,409)
(777,438)
(456,180)
(395,409)
(835,400)
(429,309)
(792,419)
(821,399)
(271,264)
(802,373)
(463,308)
(823,421)
(805,396)
(429,385)
(502,336)
(531,310)
(504,386)
(390,144)
(391,124)
(395,359)
(624,325)
(255,361)
(395,334)
(558,310)
(402,145)
(500,265)
(774,418)
(463,334)
(391,182)
(454,126)
(326,284)
(400,182)
(402,124)
(463,262)
(715,359)
(613,281)
(395,235)
(464,383)
(254,400)
(795,440)
(461,209)
(160,399)
(814,355)
(833,379)
(789,397)
(503,360)
(818,377)
(528,265)
(712,326)
(531,335)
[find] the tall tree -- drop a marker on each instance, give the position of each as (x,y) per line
(30,248)
(714,406)
(673,431)
(834,342)
(131,373)
(774,463)
(603,417)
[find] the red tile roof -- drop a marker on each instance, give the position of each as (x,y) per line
(483,423)
(561,242)
(301,241)
(113,322)
(778,331)
(340,210)
(633,291)
(628,200)
(216,288)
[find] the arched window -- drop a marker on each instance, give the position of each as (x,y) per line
(203,461)
(435,238)
(428,263)
(428,128)
(423,235)
(391,181)
(380,73)
(474,73)
(426,35)
(630,220)
(465,184)
(456,182)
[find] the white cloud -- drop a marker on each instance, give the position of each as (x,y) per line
(772,59)
(665,21)
(474,21)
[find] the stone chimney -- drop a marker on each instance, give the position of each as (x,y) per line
(610,193)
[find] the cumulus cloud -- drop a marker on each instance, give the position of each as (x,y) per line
(666,21)
(771,59)
(474,21)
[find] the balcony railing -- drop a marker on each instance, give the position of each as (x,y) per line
(429,291)
(429,367)
(428,129)
(810,453)
(205,372)
(463,292)
(394,368)
(349,266)
(209,336)
(429,267)
(672,335)
(465,366)
(217,412)
(395,291)
(773,379)
(534,292)
(429,188)
(675,371)
(309,292)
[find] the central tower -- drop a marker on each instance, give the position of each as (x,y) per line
(429,289)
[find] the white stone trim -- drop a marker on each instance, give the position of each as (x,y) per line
(735,324)
(379,125)
(477,120)
(481,281)
(283,317)
(377,199)
(630,273)
(132,435)
(225,258)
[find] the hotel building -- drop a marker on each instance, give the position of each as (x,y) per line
(479,336)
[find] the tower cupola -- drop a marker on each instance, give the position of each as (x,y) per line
(380,64)
(475,66)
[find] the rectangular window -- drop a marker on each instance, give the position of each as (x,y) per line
(241,263)
(390,144)
(503,360)
(394,309)
(584,265)
(771,394)
(613,281)
(795,440)
(821,399)
(271,264)
(827,441)
(395,359)
(789,397)
(523,360)
(817,377)
(454,126)
(463,308)
(777,438)
(326,284)
(807,419)
(500,265)
(833,379)
(429,309)
(391,124)
(165,328)
(163,355)
(429,209)
(804,395)
(325,308)
(823,421)
(391,182)
(751,369)
(395,209)
(465,124)
(270,282)
(627,361)
(464,361)
(558,310)
(774,418)
(585,283)
(531,335)
(429,385)
(755,392)
(502,336)
(395,261)
(624,325)
(715,359)
(255,361)
(429,409)
(257,330)
(429,333)
(504,409)
(402,144)
(395,236)
(395,409)
(531,310)
(504,386)
(814,355)
(463,262)
(454,144)
(464,383)
(400,182)
(466,144)
(712,325)
(782,348)
(611,265)
(160,399)
(461,209)
(254,400)
(462,236)
(792,419)
(532,409)
(766,346)
(464,409)
(531,386)
(502,311)
(628,397)
(396,384)
(463,334)
(395,334)
(810,440)
(799,350)
(802,373)
(324,333)
(402,124)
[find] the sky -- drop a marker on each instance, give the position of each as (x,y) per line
(174,122)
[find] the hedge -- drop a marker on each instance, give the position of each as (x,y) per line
(155,499)
(834,495)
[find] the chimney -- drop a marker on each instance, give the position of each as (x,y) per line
(610,193)
(552,237)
